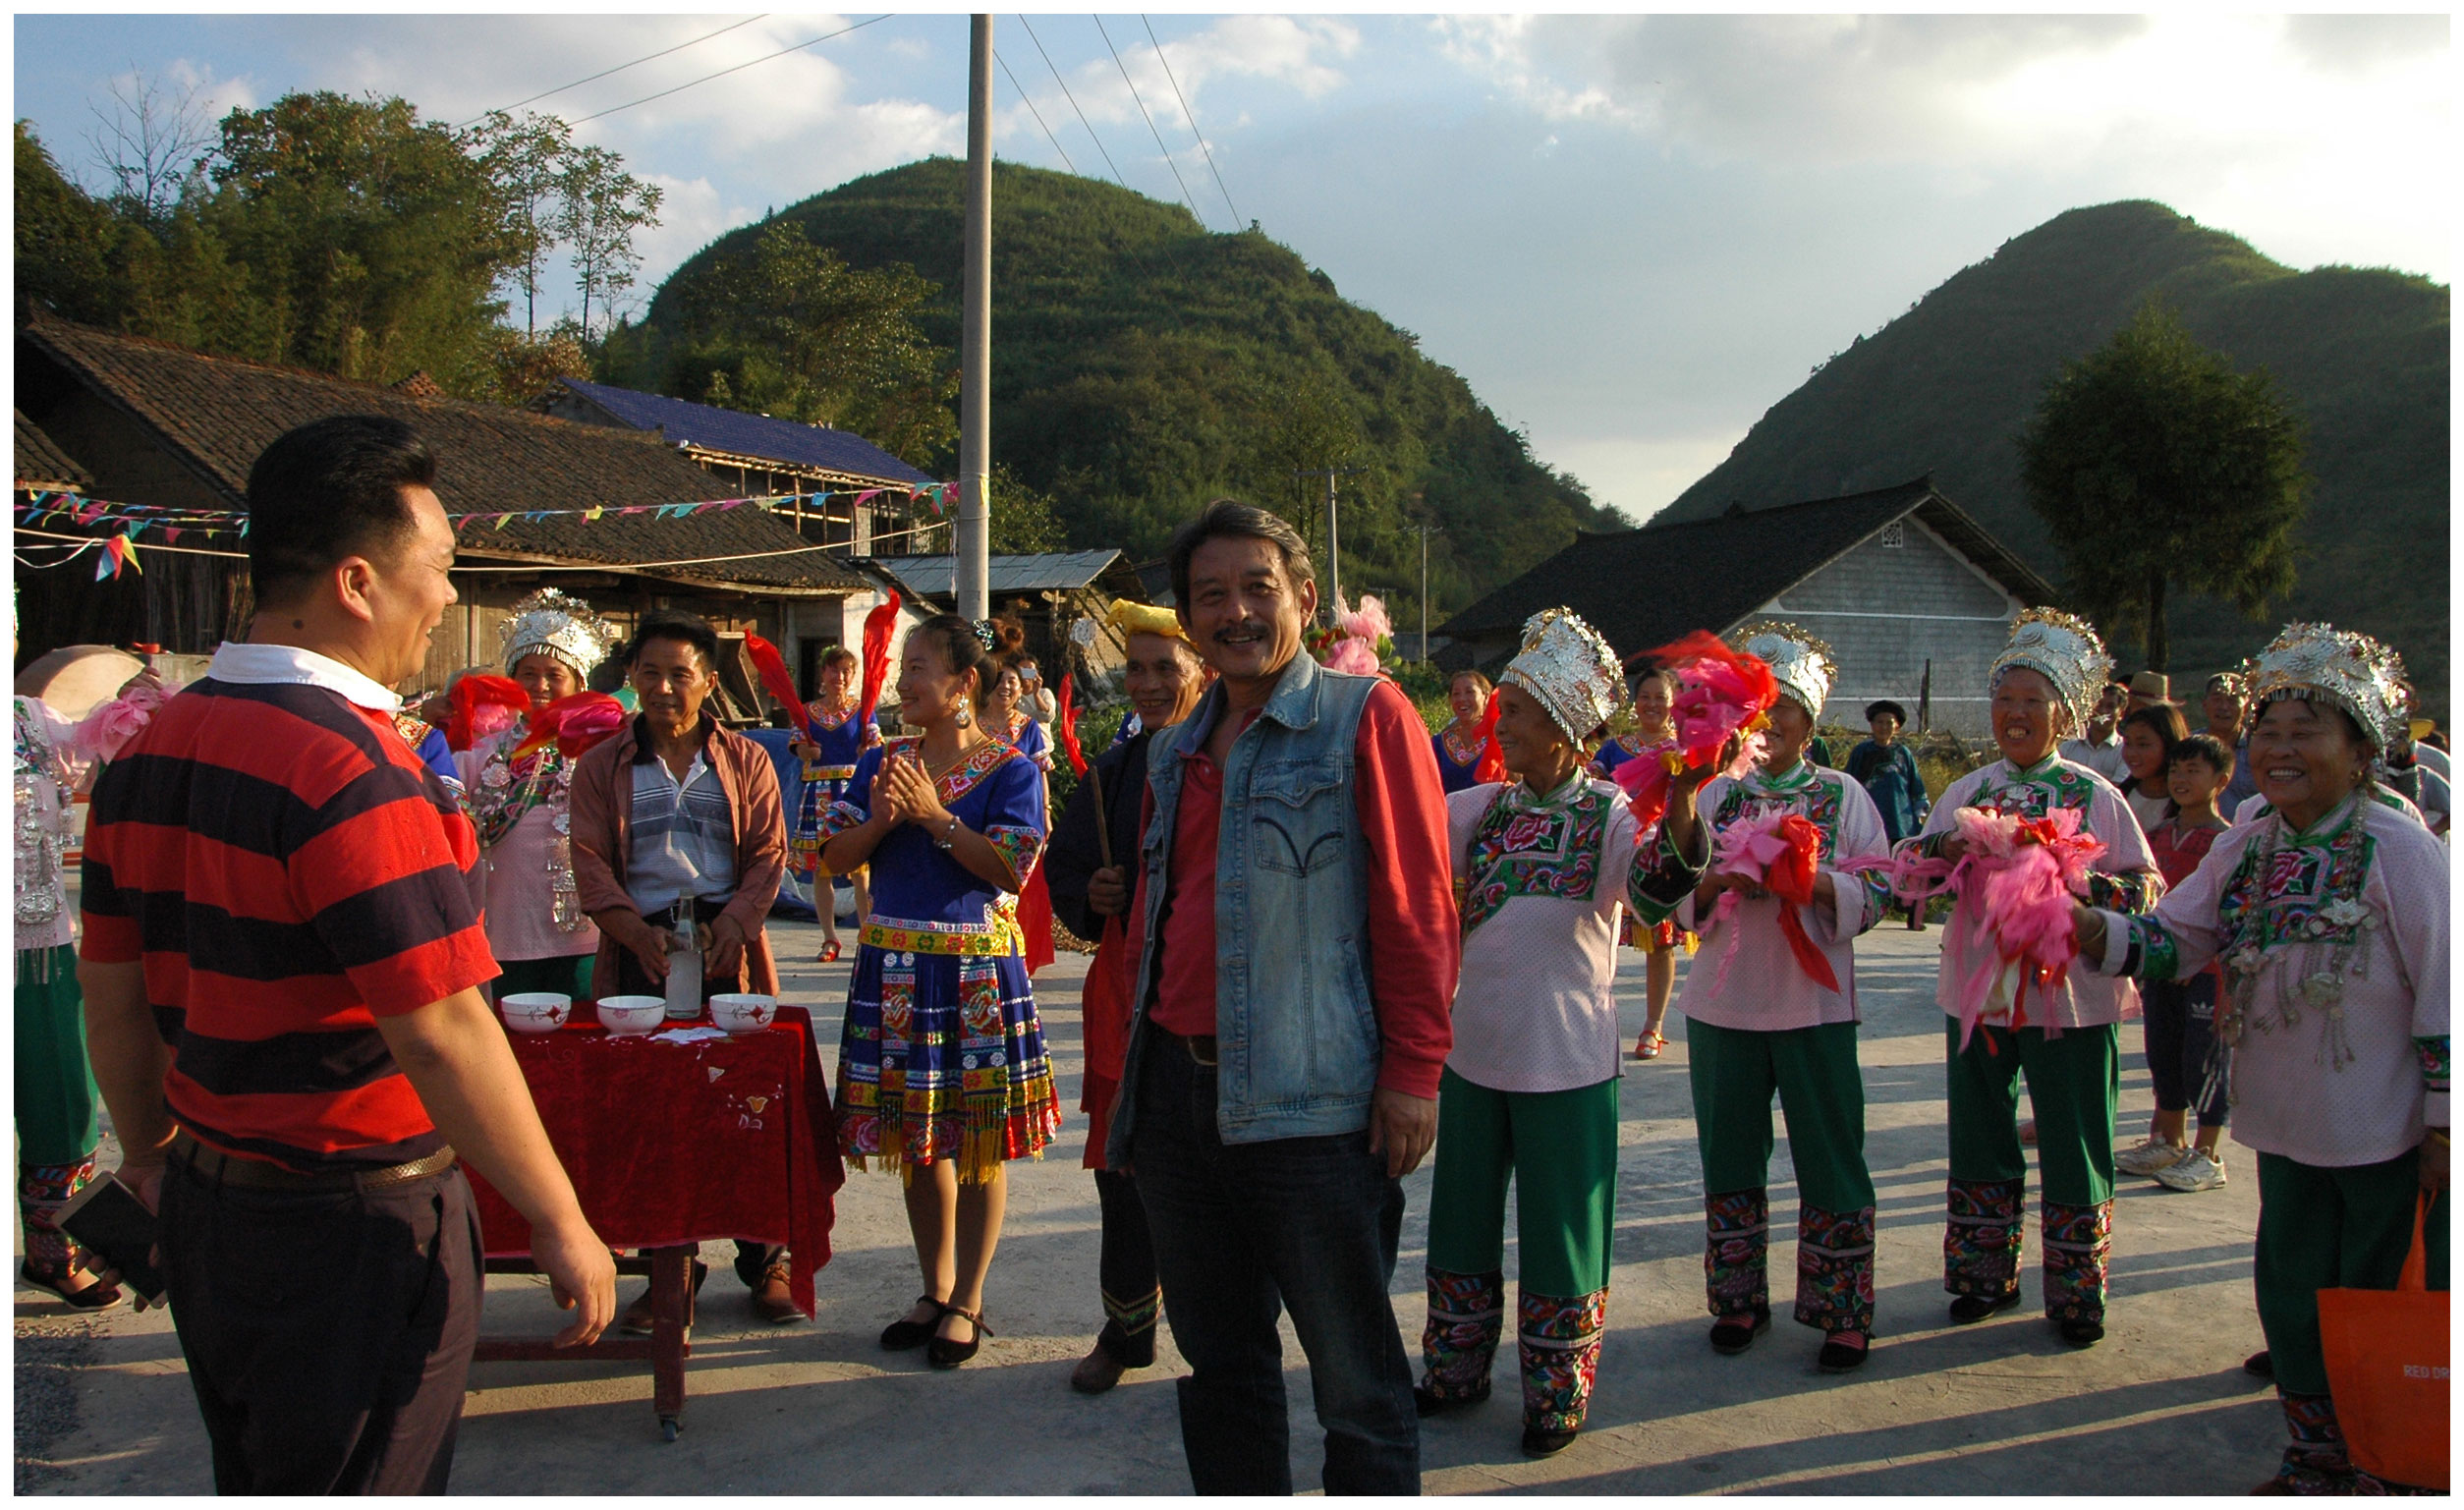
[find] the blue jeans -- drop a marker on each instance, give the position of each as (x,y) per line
(1242,1231)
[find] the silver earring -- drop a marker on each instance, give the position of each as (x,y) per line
(964,716)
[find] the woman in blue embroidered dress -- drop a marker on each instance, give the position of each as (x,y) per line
(1458,744)
(841,735)
(942,1071)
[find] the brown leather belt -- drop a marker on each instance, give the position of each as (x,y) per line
(216,1168)
(1200,1048)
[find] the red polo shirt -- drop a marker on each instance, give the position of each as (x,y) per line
(1415,943)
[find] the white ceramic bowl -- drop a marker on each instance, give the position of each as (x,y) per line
(744,1012)
(625,1017)
(535,1011)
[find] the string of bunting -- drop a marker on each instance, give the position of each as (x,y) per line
(46,506)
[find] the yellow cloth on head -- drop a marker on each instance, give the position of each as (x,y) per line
(1128,618)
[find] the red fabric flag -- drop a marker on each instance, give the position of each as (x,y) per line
(574,724)
(773,668)
(1790,877)
(1065,722)
(1492,763)
(482,706)
(879,625)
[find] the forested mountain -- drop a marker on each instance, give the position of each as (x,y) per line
(1141,365)
(2361,354)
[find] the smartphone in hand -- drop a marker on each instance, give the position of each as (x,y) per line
(109,1221)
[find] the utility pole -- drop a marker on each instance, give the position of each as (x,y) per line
(974,379)
(1334,557)
(1425,531)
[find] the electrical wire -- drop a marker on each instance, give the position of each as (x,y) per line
(1141,102)
(1073,99)
(605,72)
(724,72)
(1192,118)
(1031,110)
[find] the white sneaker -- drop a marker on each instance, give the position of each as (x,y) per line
(2151,1155)
(2196,1171)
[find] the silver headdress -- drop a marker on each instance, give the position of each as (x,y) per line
(548,622)
(1802,665)
(1571,670)
(2063,648)
(2342,668)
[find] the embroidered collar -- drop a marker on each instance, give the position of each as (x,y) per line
(1795,778)
(1457,750)
(265,665)
(831,717)
(2036,772)
(1520,798)
(960,779)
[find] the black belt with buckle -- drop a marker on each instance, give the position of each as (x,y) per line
(1199,1048)
(215,1167)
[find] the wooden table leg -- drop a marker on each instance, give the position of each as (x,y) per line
(671,1312)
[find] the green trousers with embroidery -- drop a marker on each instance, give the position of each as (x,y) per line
(2074,1084)
(1559,1148)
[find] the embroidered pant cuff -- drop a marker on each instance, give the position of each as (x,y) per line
(41,1191)
(1467,1315)
(2078,1243)
(1559,1339)
(1835,1269)
(1129,1329)
(1735,1253)
(1981,1244)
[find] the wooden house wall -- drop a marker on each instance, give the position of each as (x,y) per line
(1887,609)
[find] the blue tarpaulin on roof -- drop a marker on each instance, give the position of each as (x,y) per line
(743,434)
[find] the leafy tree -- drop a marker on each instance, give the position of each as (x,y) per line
(1025,522)
(64,239)
(526,158)
(602,206)
(784,328)
(2154,464)
(375,238)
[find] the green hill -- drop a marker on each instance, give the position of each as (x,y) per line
(1141,365)
(2361,352)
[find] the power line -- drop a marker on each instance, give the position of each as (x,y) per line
(618,68)
(1073,99)
(1031,110)
(724,72)
(1192,118)
(1150,120)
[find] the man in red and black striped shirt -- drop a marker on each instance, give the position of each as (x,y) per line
(281,964)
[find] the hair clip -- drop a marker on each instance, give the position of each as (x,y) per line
(985,635)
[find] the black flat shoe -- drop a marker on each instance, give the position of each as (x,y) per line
(942,1352)
(2083,1334)
(1733,1334)
(903,1335)
(96,1296)
(1970,1308)
(2261,1364)
(1839,1356)
(1429,1404)
(1538,1443)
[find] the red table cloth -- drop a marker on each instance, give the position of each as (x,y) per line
(683,1143)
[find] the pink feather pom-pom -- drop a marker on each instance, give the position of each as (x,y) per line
(106,731)
(1353,656)
(1368,622)
(490,720)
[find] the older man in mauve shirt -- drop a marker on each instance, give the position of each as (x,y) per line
(1297,948)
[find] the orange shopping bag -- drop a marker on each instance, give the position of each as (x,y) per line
(2387,1370)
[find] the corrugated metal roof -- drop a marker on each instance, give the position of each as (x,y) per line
(1060,571)
(742,434)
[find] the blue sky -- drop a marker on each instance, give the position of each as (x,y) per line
(1632,234)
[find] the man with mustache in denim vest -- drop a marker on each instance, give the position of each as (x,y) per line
(1297,945)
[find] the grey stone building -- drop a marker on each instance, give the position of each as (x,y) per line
(1912,593)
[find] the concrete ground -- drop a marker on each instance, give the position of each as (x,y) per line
(2160,1407)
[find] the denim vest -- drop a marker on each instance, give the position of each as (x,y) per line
(1296,1034)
